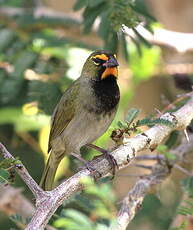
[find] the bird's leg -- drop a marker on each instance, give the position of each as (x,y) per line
(85,162)
(78,156)
(92,146)
(108,156)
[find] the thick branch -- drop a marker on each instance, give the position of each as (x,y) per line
(49,201)
(133,201)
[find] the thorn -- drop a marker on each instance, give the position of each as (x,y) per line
(186,135)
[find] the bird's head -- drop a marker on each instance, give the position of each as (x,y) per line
(100,65)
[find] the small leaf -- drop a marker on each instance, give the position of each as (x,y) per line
(78,217)
(132,115)
(162,148)
(171,141)
(4,176)
(170,156)
(150,122)
(120,124)
(80,4)
(182,226)
(187,185)
(90,14)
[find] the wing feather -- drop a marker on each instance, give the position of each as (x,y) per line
(63,113)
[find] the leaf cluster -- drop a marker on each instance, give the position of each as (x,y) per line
(129,126)
(112,15)
(7,170)
(93,211)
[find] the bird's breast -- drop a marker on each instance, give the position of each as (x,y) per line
(106,97)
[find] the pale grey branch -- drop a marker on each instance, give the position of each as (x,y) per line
(133,201)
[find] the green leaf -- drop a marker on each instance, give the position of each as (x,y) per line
(80,4)
(90,14)
(121,125)
(66,223)
(142,39)
(104,26)
(40,91)
(132,115)
(6,163)
(171,141)
(163,149)
(150,122)
(78,217)
(94,3)
(74,220)
(4,176)
(141,7)
(24,61)
(182,226)
(187,185)
(170,156)
(7,36)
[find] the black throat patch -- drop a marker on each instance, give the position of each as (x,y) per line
(107,95)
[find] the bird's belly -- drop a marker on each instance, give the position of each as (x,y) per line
(85,128)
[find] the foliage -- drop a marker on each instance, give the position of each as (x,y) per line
(181,227)
(113,15)
(93,209)
(186,208)
(163,149)
(7,170)
(129,126)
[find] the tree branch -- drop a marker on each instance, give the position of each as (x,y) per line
(48,201)
(133,201)
(22,171)
(12,202)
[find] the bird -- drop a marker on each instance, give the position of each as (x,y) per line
(84,112)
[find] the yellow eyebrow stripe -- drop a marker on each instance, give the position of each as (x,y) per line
(102,57)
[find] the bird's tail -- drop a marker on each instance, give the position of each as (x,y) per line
(47,180)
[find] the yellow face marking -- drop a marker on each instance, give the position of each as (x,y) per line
(115,56)
(102,57)
(110,71)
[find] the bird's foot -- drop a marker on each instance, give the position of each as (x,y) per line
(78,156)
(112,162)
(94,172)
(87,165)
(108,156)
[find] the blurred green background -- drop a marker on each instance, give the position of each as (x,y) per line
(43,45)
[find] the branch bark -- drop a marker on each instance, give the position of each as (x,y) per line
(133,201)
(48,201)
(12,202)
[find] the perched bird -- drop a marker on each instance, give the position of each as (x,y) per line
(84,112)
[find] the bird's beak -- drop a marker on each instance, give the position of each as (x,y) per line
(111,68)
(112,62)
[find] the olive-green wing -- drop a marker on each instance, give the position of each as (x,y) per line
(63,113)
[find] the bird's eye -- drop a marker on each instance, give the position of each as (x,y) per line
(97,61)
